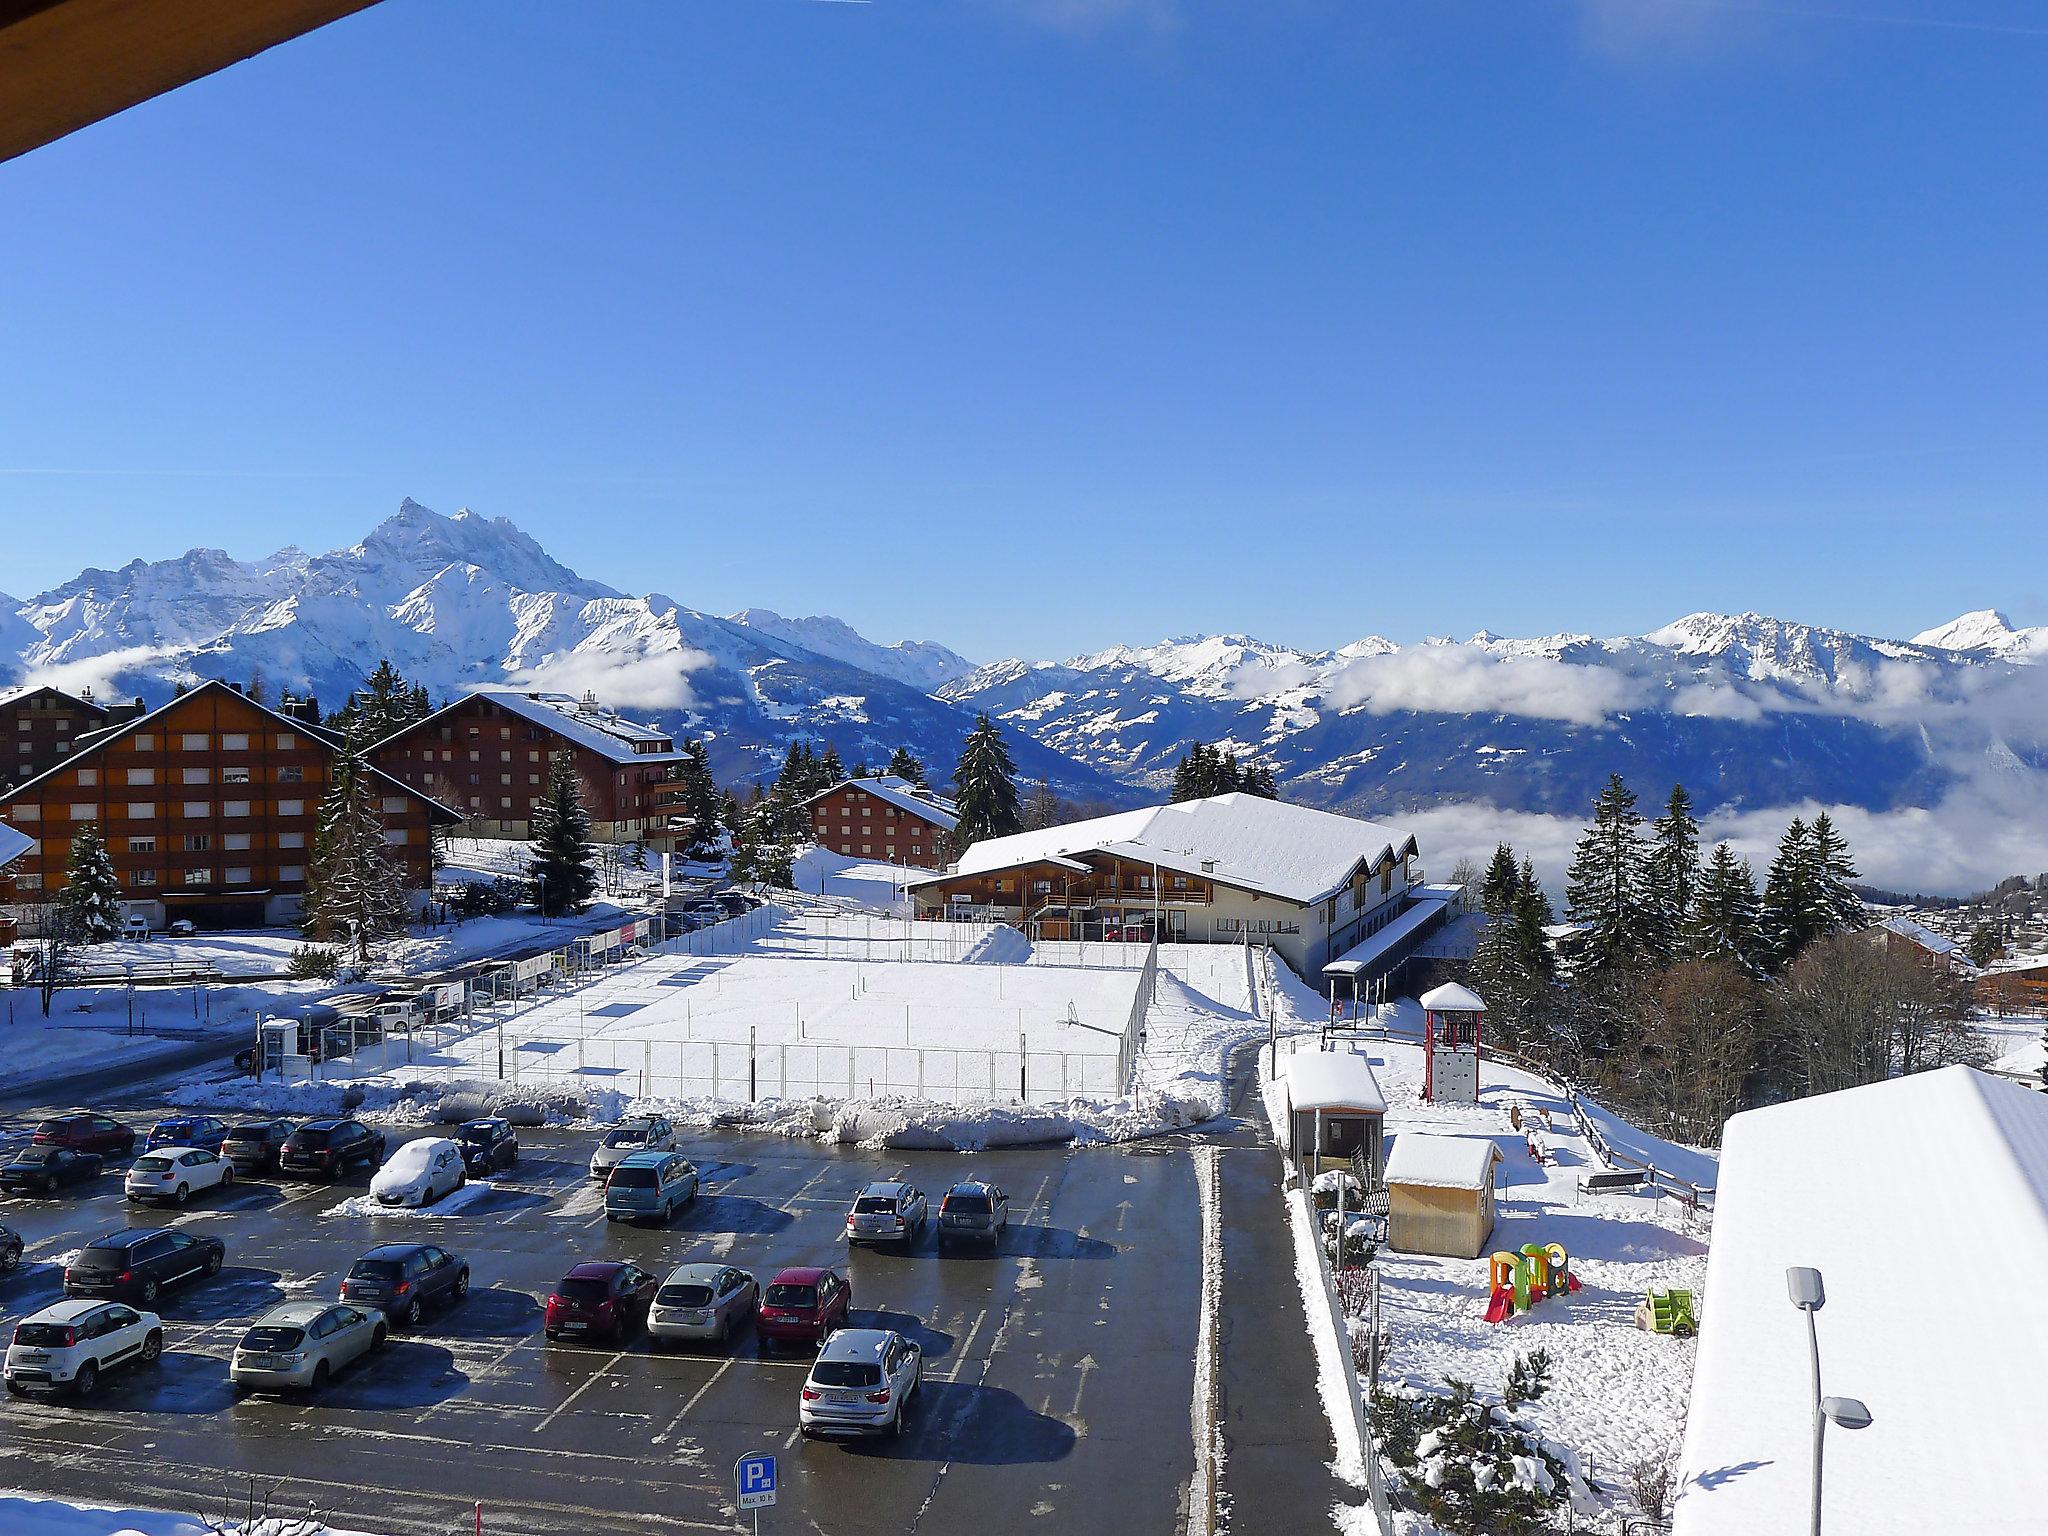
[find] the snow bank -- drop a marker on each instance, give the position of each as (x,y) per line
(27,1514)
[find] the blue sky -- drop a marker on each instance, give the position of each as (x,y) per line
(1035,325)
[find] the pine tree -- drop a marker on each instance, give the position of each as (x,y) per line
(830,770)
(355,891)
(1674,867)
(1258,780)
(903,764)
(984,785)
(759,854)
(1795,907)
(1833,873)
(699,798)
(1498,887)
(1985,944)
(1725,922)
(1533,917)
(89,906)
(1606,887)
(562,863)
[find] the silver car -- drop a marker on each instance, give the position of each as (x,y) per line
(703,1303)
(302,1343)
(862,1383)
(887,1212)
(643,1133)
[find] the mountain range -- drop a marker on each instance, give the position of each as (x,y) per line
(1750,712)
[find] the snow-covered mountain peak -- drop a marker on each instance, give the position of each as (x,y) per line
(1988,632)
(921,664)
(417,542)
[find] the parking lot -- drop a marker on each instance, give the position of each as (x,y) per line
(1058,1372)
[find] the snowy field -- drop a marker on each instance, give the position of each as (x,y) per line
(28,1514)
(821,872)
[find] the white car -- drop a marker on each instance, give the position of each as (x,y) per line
(177,1174)
(181,928)
(862,1383)
(420,1172)
(302,1343)
(69,1346)
(134,926)
(643,1133)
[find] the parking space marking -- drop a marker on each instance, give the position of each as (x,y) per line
(695,1398)
(568,1401)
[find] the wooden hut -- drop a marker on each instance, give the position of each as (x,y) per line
(1334,1091)
(1440,1194)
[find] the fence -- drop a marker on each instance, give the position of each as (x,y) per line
(1375,1477)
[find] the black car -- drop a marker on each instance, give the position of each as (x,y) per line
(253,1148)
(402,1280)
(135,1265)
(39,1170)
(10,1250)
(488,1145)
(325,1148)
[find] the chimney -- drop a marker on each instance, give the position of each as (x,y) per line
(236,686)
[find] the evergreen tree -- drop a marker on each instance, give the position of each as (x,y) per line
(1985,944)
(830,770)
(355,891)
(1498,887)
(699,799)
(903,764)
(89,906)
(562,863)
(385,703)
(1674,867)
(1607,888)
(984,785)
(1258,780)
(1833,873)
(759,853)
(1725,923)
(1532,916)
(258,687)
(1795,907)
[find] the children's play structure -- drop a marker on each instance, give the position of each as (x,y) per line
(1451,1016)
(1667,1312)
(1518,1281)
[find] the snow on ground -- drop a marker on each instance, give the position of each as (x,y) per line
(29,1514)
(1618,1393)
(454,1203)
(821,872)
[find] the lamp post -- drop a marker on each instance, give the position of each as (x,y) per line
(1803,1285)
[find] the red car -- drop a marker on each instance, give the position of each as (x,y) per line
(803,1305)
(86,1130)
(599,1300)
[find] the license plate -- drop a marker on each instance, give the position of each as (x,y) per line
(574,1327)
(842,1397)
(260,1362)
(36,1359)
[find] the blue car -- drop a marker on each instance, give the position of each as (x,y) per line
(208,1131)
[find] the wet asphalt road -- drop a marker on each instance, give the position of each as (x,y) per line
(1058,1372)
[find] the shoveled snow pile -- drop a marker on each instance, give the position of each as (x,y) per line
(922,1125)
(390,1099)
(27,1514)
(454,1203)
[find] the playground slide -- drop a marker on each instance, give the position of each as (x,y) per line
(1501,1306)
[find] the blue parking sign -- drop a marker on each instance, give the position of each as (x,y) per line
(753,1479)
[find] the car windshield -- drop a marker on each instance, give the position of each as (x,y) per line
(875,1205)
(845,1373)
(43,1335)
(581,1292)
(249,1133)
(478,1136)
(313,1138)
(633,1178)
(174,1128)
(266,1338)
(39,1157)
(152,1165)
(685,1296)
(53,1127)
(628,1136)
(100,1258)
(792,1296)
(376,1269)
(973,1204)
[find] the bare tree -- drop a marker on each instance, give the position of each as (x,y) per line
(1700,1032)
(1852,1012)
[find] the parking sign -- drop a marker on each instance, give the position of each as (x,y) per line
(753,1479)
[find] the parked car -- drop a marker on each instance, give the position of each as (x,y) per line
(69,1345)
(488,1146)
(420,1172)
(141,1263)
(10,1250)
(86,1130)
(973,1211)
(602,1299)
(187,1131)
(253,1148)
(889,1211)
(181,928)
(649,1185)
(325,1148)
(302,1343)
(176,1174)
(703,1302)
(803,1304)
(402,1280)
(862,1383)
(39,1170)
(135,926)
(644,1133)
(734,903)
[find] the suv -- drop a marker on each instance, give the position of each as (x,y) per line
(139,1263)
(888,1212)
(253,1148)
(648,1184)
(862,1383)
(643,1133)
(325,1148)
(488,1145)
(72,1343)
(39,1170)
(86,1130)
(402,1280)
(187,1131)
(973,1211)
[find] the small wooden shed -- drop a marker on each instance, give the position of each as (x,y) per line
(1440,1194)
(1337,1090)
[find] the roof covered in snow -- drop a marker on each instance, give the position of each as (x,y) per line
(12,844)
(1934,943)
(1365,957)
(1333,1080)
(1442,1162)
(1451,998)
(1923,1201)
(583,721)
(902,794)
(1266,846)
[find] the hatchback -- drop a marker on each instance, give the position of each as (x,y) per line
(599,1300)
(187,1131)
(973,1211)
(644,1133)
(140,1263)
(649,1186)
(887,1212)
(325,1148)
(176,1173)
(253,1148)
(302,1343)
(703,1302)
(69,1346)
(803,1304)
(420,1172)
(39,1170)
(488,1146)
(86,1130)
(402,1280)
(862,1383)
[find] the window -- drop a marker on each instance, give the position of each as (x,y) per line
(146,742)
(142,845)
(398,836)
(235,842)
(286,741)
(235,741)
(238,877)
(292,775)
(197,842)
(291,839)
(24,724)
(141,776)
(533,778)
(30,812)
(504,778)
(143,877)
(63,726)
(393,803)
(235,775)
(476,757)
(195,776)
(141,810)
(291,807)
(504,757)
(194,741)
(198,807)
(83,811)
(292,872)
(88,778)
(199,877)
(29,882)
(504,733)
(235,808)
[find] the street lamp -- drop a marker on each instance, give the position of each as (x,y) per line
(1804,1286)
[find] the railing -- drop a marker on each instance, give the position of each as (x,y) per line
(1133,1040)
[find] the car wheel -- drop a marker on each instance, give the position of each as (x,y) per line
(378,1335)
(227,1175)
(462,1285)
(87,1378)
(149,1290)
(320,1375)
(181,1194)
(152,1349)
(896,1422)
(213,1262)
(133,1197)
(11,1259)
(49,1187)
(17,1389)
(413,1313)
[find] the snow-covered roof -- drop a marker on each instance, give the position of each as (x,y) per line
(1253,844)
(1366,956)
(1923,1201)
(582,721)
(904,795)
(1451,998)
(1442,1162)
(12,845)
(1934,943)
(1333,1080)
